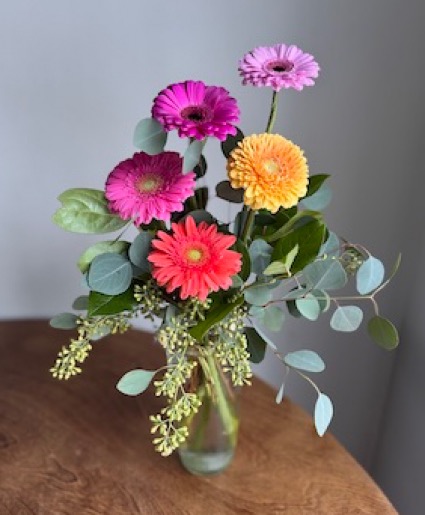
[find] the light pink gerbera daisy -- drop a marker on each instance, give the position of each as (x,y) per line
(194,258)
(278,66)
(196,110)
(147,187)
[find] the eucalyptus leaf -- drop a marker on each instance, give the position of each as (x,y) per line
(139,250)
(260,253)
(309,307)
(347,318)
(323,298)
(237,281)
(292,309)
(103,247)
(383,332)
(256,345)
(149,136)
(370,275)
(273,318)
(331,247)
(318,200)
(296,293)
(264,336)
(326,274)
(135,382)
(315,182)
(225,191)
(323,413)
(110,274)
(86,211)
(257,312)
(192,156)
(258,295)
(64,321)
(81,303)
(200,215)
(306,360)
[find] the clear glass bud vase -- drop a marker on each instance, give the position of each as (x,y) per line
(213,430)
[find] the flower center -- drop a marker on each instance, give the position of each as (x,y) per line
(196,113)
(279,66)
(149,184)
(271,166)
(196,254)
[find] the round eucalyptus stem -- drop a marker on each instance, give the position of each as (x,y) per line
(273,112)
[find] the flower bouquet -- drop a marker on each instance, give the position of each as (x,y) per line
(217,288)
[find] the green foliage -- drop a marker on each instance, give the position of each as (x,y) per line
(327,274)
(331,247)
(260,253)
(231,142)
(100,304)
(315,182)
(295,221)
(86,211)
(110,274)
(201,168)
(308,306)
(306,360)
(241,247)
(192,156)
(135,382)
(308,238)
(64,321)
(139,250)
(370,275)
(318,200)
(256,345)
(383,332)
(81,303)
(201,196)
(225,191)
(273,318)
(149,136)
(323,413)
(347,318)
(258,294)
(103,247)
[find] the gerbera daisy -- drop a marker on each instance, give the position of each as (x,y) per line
(194,258)
(278,66)
(272,170)
(196,110)
(148,187)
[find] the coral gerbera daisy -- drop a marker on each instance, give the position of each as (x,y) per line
(147,187)
(194,258)
(196,110)
(272,170)
(278,66)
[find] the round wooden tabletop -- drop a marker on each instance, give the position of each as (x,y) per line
(79,447)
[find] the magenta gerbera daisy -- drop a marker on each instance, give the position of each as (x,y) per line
(147,187)
(194,258)
(196,110)
(278,66)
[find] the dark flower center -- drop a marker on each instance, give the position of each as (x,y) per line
(280,66)
(196,113)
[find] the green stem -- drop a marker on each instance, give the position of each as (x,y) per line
(273,112)
(230,421)
(248,225)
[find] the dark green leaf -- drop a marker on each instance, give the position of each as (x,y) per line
(246,260)
(383,332)
(201,196)
(256,345)
(201,168)
(225,191)
(299,219)
(100,304)
(231,142)
(315,182)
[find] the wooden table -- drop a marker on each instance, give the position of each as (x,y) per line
(81,448)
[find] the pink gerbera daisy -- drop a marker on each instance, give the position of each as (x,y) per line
(196,110)
(194,258)
(147,187)
(278,66)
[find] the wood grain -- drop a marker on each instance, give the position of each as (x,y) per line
(81,448)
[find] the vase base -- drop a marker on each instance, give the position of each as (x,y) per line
(206,463)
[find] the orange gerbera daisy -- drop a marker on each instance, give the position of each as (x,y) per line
(272,170)
(194,258)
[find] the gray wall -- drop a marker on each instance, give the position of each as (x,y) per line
(77,76)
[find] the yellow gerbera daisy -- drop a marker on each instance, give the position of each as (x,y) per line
(272,170)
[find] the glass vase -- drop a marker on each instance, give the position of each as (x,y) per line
(213,430)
